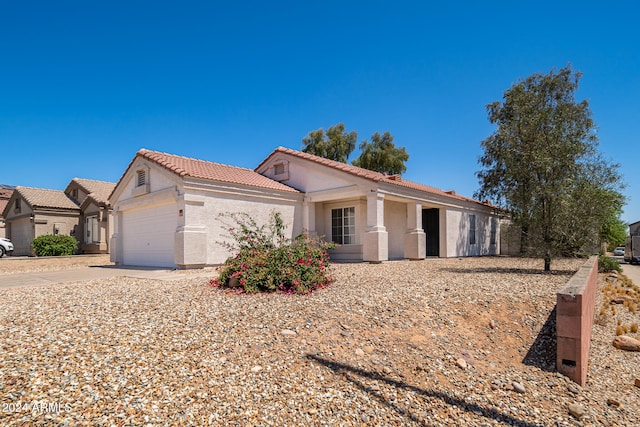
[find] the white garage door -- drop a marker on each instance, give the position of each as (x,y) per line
(148,236)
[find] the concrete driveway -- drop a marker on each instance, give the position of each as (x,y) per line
(83,274)
(632,272)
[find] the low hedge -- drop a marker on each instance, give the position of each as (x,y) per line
(54,245)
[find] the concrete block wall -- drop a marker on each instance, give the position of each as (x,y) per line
(574,321)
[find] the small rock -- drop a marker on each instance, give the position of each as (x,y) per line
(613,402)
(518,387)
(386,370)
(576,410)
(288,333)
(256,368)
(573,389)
(359,352)
(637,383)
(624,342)
(368,349)
(462,364)
(312,411)
(492,324)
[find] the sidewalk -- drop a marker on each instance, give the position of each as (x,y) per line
(41,278)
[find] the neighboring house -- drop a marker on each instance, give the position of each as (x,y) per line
(5,194)
(167,209)
(32,212)
(93,229)
(634,229)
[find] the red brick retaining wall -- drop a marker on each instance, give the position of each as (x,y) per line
(574,320)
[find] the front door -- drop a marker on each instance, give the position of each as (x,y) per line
(431,226)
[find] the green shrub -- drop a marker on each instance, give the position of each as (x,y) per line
(266,261)
(606,264)
(54,245)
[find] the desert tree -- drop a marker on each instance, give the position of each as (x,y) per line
(542,165)
(335,144)
(381,155)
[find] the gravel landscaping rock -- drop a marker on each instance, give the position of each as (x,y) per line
(378,347)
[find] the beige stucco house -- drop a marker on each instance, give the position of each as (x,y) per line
(33,212)
(93,229)
(167,208)
(81,211)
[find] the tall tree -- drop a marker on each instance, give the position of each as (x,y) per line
(336,144)
(381,155)
(542,165)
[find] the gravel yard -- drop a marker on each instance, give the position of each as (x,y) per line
(381,346)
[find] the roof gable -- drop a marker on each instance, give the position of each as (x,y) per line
(44,198)
(394,180)
(206,170)
(98,191)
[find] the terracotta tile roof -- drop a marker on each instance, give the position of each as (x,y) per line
(3,204)
(5,195)
(43,198)
(371,175)
(97,190)
(201,169)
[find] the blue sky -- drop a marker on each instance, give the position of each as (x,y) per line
(84,85)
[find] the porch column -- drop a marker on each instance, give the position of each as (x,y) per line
(376,238)
(415,240)
(115,241)
(308,217)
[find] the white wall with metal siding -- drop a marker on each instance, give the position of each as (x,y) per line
(149,235)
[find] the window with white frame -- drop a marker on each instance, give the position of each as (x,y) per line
(343,225)
(472,229)
(92,230)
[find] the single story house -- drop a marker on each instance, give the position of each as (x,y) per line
(93,230)
(634,229)
(167,210)
(33,212)
(82,210)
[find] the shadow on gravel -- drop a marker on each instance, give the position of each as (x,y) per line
(496,270)
(542,353)
(359,376)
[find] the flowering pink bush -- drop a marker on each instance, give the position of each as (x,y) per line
(266,261)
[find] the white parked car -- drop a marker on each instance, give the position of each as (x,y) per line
(619,251)
(6,247)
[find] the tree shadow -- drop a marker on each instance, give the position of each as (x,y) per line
(499,270)
(542,353)
(358,377)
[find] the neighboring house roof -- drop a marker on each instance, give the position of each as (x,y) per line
(43,198)
(5,194)
(98,191)
(202,169)
(370,175)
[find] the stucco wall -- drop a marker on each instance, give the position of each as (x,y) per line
(395,221)
(210,216)
(458,236)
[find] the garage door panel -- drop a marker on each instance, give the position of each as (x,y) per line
(149,236)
